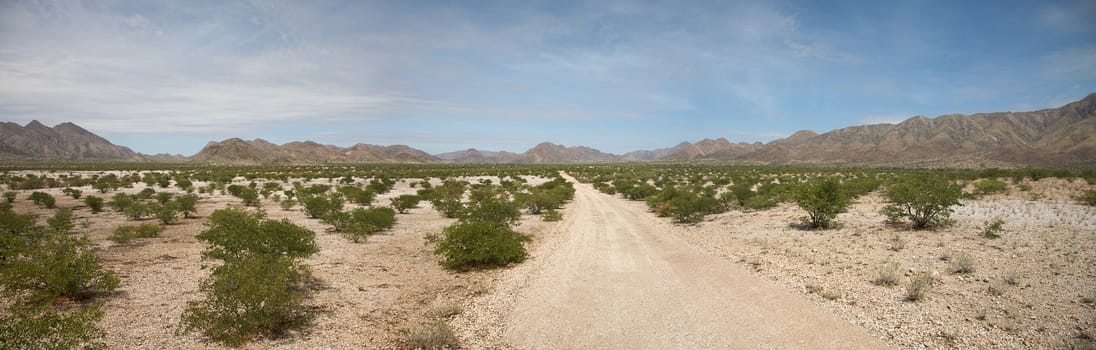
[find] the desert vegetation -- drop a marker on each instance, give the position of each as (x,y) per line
(265,244)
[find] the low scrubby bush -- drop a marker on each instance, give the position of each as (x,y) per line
(479,244)
(94,203)
(258,290)
(258,295)
(127,233)
(926,201)
(235,232)
(822,200)
(43,326)
(989,186)
(405,202)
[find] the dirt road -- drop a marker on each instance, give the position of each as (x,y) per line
(616,281)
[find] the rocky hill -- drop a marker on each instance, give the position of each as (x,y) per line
(65,141)
(475,156)
(1056,136)
(1046,137)
(259,151)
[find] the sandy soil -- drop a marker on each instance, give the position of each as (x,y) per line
(1048,248)
(616,280)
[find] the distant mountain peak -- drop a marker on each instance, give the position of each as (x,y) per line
(66,141)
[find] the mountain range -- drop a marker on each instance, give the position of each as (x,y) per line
(1056,136)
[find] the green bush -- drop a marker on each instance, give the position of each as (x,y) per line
(235,232)
(145,194)
(925,200)
(466,245)
(360,223)
(250,196)
(42,326)
(61,221)
(43,199)
(551,215)
(288,204)
(166,213)
(137,211)
(357,195)
(127,233)
(316,206)
(54,265)
(989,186)
(9,196)
(993,229)
(187,204)
(405,202)
(493,210)
(164,197)
(94,203)
(1088,198)
(72,192)
(121,201)
(257,295)
(822,200)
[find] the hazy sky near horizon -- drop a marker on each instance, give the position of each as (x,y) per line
(169,76)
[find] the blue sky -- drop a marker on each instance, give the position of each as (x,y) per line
(169,76)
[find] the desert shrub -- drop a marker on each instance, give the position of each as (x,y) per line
(1088,198)
(920,286)
(61,221)
(249,196)
(380,186)
(12,223)
(288,204)
(257,295)
(137,211)
(925,200)
(164,197)
(120,201)
(684,206)
(9,196)
(638,192)
(962,263)
(993,229)
(358,195)
(145,194)
(72,192)
(446,198)
(52,265)
(492,210)
(167,213)
(760,202)
(822,200)
(436,336)
(479,244)
(405,202)
(551,215)
(860,186)
(888,274)
(316,206)
(94,203)
(187,204)
(988,187)
(43,199)
(42,326)
(127,233)
(362,222)
(235,232)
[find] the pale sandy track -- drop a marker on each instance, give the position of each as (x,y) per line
(615,281)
